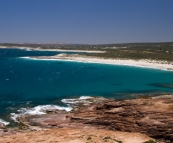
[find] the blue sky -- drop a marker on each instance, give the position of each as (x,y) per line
(86,21)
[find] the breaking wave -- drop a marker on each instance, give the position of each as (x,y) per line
(4,122)
(38,110)
(82,99)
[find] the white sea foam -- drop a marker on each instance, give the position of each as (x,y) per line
(85,97)
(82,99)
(25,57)
(14,116)
(4,122)
(38,110)
(39,59)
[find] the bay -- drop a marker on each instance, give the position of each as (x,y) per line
(29,83)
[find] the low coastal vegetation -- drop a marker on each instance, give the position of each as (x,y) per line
(136,51)
(159,51)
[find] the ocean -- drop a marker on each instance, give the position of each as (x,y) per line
(30,86)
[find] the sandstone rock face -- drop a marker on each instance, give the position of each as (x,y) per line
(68,135)
(152,116)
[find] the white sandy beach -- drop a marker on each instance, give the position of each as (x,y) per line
(58,50)
(163,65)
(140,63)
(61,50)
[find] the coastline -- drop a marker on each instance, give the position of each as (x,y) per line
(85,122)
(58,50)
(136,120)
(154,64)
(163,65)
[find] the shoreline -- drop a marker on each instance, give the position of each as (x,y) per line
(143,63)
(105,115)
(58,50)
(162,65)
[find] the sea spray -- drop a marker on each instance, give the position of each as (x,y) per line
(38,110)
(4,122)
(82,99)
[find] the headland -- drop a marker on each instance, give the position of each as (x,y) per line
(96,119)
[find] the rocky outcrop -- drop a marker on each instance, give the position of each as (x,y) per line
(3,127)
(152,116)
(68,135)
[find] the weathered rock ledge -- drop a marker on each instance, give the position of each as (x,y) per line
(150,116)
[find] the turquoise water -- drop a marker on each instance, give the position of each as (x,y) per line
(28,83)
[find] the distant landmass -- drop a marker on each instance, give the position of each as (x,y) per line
(61,44)
(135,51)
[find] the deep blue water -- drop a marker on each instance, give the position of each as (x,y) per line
(28,83)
